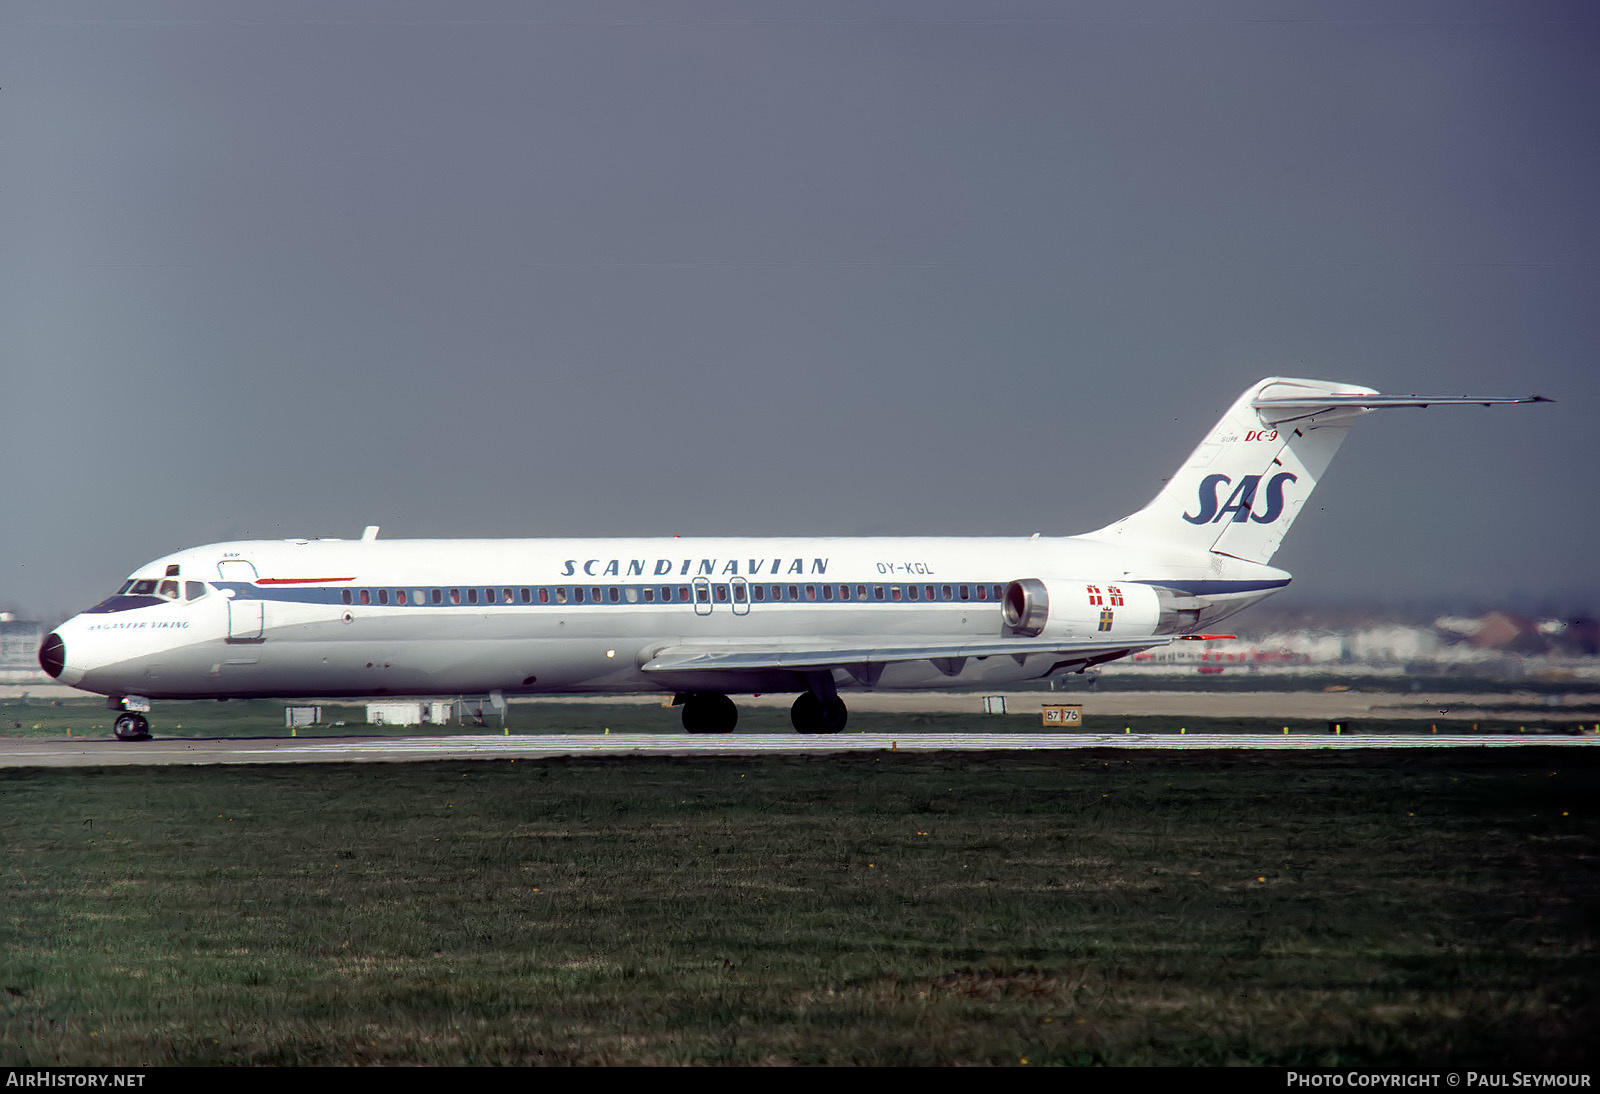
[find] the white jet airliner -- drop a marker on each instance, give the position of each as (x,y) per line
(708,617)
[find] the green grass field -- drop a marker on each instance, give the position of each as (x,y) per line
(1355,909)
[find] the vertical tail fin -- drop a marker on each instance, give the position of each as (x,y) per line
(1240,490)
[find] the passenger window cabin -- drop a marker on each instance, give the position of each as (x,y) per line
(737,592)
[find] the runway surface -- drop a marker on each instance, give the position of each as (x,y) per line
(35,752)
(1513,707)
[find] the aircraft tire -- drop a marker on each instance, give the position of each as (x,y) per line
(709,712)
(812,715)
(131,727)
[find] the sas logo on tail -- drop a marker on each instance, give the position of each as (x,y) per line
(1240,503)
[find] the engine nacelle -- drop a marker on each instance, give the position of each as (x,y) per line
(1026,606)
(1060,608)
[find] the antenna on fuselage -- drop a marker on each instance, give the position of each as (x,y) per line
(369,532)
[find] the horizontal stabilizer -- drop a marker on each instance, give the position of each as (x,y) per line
(1278,409)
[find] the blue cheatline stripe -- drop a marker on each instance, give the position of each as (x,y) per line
(494,596)
(719,593)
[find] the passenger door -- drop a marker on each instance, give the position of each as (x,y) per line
(246,614)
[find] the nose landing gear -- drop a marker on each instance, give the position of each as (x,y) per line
(131,727)
(130,724)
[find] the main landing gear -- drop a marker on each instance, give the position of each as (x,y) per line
(708,712)
(812,715)
(817,709)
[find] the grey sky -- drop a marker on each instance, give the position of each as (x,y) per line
(969,266)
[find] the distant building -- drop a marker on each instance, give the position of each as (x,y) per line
(1495,643)
(427,712)
(19,649)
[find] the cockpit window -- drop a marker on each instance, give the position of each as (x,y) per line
(145,592)
(123,602)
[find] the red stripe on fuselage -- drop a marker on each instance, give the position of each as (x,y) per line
(298,580)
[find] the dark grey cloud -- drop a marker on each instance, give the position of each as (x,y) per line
(589,268)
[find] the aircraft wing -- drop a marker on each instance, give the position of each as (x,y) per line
(816,655)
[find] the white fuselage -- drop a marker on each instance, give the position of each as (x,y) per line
(447,617)
(702,617)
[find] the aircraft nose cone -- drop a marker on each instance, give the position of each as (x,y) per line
(53,654)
